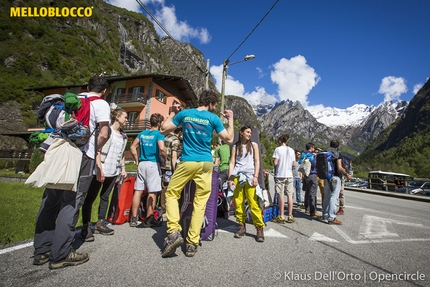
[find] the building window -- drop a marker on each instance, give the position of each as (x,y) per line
(120,91)
(135,92)
(159,95)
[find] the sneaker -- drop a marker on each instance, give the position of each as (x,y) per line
(307,212)
(41,259)
(74,258)
(290,219)
(101,228)
(339,212)
(172,241)
(241,231)
(324,219)
(190,249)
(260,234)
(133,221)
(335,221)
(279,219)
(316,214)
(87,233)
(302,206)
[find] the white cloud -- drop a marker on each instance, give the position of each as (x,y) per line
(180,30)
(392,88)
(236,88)
(131,5)
(417,87)
(295,78)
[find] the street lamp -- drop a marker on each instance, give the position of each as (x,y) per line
(224,76)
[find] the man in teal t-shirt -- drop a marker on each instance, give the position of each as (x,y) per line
(196,164)
(151,146)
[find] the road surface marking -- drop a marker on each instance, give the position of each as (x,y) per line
(319,237)
(268,232)
(17,247)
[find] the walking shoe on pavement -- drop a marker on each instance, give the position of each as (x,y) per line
(301,205)
(290,219)
(260,234)
(101,228)
(335,221)
(41,259)
(340,211)
(171,243)
(316,214)
(324,219)
(87,233)
(241,231)
(278,219)
(307,212)
(190,249)
(133,221)
(72,259)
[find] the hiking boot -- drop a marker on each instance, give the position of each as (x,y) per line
(190,249)
(87,233)
(101,228)
(316,214)
(290,219)
(340,211)
(279,219)
(41,259)
(172,241)
(260,234)
(335,221)
(133,221)
(72,259)
(240,231)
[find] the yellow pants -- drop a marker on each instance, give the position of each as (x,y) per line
(240,193)
(201,173)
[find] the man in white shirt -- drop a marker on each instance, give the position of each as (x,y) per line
(59,209)
(284,159)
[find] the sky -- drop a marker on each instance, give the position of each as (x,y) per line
(323,53)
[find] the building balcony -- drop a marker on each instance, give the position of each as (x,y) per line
(129,100)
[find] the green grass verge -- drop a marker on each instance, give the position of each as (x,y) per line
(19,205)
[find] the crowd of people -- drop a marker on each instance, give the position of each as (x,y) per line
(173,151)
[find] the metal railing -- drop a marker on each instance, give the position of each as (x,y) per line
(128,98)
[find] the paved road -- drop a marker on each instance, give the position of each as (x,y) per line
(384,241)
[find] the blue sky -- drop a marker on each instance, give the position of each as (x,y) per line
(323,53)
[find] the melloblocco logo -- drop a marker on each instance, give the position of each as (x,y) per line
(51,12)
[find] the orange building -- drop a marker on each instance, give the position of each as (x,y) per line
(140,96)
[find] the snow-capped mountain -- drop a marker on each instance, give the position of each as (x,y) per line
(351,116)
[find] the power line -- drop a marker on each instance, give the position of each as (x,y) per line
(204,71)
(273,6)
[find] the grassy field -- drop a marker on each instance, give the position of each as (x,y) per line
(19,205)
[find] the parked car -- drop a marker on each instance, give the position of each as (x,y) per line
(424,189)
(411,185)
(363,184)
(353,182)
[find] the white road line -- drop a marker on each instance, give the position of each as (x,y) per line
(319,237)
(348,239)
(10,249)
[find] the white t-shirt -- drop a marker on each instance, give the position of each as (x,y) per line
(286,157)
(245,164)
(114,155)
(99,112)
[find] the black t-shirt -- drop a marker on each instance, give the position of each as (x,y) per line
(336,171)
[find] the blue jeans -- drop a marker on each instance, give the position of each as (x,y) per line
(298,187)
(331,195)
